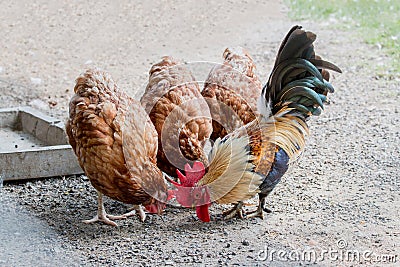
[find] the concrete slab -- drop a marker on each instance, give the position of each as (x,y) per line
(33,145)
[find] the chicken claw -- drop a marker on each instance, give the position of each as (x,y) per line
(102,216)
(139,210)
(237,210)
(259,212)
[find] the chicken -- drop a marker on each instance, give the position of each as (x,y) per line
(231,91)
(179,113)
(296,89)
(116,145)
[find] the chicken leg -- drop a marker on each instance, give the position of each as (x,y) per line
(139,210)
(259,212)
(237,210)
(102,216)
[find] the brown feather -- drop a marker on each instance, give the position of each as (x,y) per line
(231,91)
(96,132)
(179,114)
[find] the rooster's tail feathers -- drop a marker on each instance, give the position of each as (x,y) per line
(299,79)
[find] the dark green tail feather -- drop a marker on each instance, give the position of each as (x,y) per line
(296,80)
(322,64)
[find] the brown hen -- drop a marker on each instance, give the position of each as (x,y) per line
(231,91)
(179,113)
(116,145)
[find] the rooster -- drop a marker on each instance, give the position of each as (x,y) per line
(179,113)
(263,148)
(231,91)
(116,145)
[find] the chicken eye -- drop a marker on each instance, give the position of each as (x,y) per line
(196,195)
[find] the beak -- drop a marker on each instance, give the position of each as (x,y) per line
(172,181)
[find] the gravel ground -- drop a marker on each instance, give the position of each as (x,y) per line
(341,195)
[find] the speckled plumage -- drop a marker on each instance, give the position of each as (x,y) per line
(105,144)
(179,114)
(231,91)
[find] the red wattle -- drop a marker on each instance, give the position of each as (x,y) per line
(202,213)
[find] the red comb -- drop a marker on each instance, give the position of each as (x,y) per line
(182,177)
(197,167)
(187,183)
(194,174)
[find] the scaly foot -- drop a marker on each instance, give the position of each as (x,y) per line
(105,218)
(102,216)
(139,210)
(259,212)
(237,210)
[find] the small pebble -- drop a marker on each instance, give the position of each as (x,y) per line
(36,81)
(169,262)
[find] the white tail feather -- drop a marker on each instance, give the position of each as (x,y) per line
(263,107)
